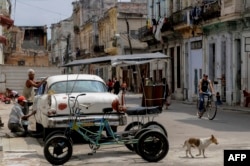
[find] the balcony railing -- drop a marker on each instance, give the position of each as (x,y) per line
(211,10)
(144,32)
(167,25)
(179,17)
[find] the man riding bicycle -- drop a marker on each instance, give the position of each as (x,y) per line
(204,85)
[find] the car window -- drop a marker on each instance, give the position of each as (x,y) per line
(78,86)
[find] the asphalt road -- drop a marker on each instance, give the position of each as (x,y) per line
(231,128)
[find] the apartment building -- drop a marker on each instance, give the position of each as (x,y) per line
(104,28)
(202,36)
(62,46)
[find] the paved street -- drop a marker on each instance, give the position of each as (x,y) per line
(230,127)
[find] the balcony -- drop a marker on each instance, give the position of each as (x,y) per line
(210,11)
(167,25)
(145,32)
(179,17)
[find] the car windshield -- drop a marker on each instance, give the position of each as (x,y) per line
(78,86)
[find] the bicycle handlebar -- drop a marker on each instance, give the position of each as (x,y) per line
(73,97)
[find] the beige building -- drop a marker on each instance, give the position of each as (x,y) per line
(27,46)
(110,30)
(62,46)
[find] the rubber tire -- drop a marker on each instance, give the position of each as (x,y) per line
(128,128)
(54,140)
(137,136)
(56,132)
(214,106)
(156,126)
(155,150)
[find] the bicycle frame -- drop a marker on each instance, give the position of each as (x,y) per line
(207,97)
(96,138)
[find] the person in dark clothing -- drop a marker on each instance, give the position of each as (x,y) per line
(116,86)
(110,85)
(218,100)
(205,86)
(166,93)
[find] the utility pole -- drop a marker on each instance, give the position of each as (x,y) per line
(67,53)
(129,41)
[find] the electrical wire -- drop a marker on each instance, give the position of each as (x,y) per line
(43,9)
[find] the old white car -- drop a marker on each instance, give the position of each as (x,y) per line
(56,97)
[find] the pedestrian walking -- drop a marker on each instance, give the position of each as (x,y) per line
(110,85)
(116,86)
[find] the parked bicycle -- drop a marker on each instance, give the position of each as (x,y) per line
(150,144)
(209,106)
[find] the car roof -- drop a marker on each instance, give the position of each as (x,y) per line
(64,77)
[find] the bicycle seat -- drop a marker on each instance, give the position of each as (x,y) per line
(143,110)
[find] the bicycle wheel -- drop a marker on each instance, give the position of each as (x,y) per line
(58,149)
(156,126)
(136,125)
(211,110)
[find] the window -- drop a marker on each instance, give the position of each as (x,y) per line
(196,45)
(78,86)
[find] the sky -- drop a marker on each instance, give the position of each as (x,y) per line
(40,12)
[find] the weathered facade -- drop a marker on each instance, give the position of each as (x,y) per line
(101,29)
(203,36)
(27,46)
(5,24)
(226,50)
(62,42)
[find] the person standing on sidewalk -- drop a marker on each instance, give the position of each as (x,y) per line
(29,93)
(15,117)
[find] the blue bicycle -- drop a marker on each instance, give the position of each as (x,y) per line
(150,144)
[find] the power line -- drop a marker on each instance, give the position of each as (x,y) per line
(43,9)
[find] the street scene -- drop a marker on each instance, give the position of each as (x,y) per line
(128,82)
(230,127)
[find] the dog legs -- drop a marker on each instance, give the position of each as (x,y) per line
(203,152)
(199,153)
(188,150)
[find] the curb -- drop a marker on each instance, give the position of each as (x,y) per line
(230,108)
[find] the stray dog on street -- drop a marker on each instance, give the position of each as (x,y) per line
(200,143)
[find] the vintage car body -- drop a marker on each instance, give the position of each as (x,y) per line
(55,99)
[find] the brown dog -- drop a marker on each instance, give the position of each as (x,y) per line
(200,143)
